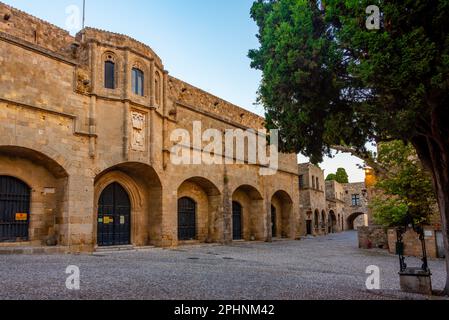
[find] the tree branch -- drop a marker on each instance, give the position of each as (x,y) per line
(365,156)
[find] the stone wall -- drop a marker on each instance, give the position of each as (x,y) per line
(61,128)
(412,244)
(372,237)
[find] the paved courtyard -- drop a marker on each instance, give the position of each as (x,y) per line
(330,267)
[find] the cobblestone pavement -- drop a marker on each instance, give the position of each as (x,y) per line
(330,267)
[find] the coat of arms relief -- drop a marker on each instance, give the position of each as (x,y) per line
(139,130)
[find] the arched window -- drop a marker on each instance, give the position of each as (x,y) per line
(109,75)
(138,82)
(157,88)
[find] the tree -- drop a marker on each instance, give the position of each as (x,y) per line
(405,190)
(329,81)
(341,176)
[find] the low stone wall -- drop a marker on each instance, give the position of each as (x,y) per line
(372,237)
(412,244)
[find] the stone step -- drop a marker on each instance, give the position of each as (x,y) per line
(114,249)
(33,250)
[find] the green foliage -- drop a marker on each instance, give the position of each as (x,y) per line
(407,187)
(390,212)
(327,80)
(341,176)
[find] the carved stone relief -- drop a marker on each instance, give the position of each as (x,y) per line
(139,131)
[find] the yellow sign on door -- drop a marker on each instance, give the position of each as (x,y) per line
(21,216)
(108,220)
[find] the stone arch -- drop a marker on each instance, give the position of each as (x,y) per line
(332,222)
(316,220)
(283,203)
(352,218)
(209,204)
(253,218)
(48,182)
(144,189)
(323,221)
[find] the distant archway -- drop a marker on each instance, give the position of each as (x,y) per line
(352,218)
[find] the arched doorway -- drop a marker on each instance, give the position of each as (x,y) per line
(316,221)
(144,188)
(114,217)
(199,206)
(282,214)
(186,219)
(332,223)
(252,218)
(323,222)
(14,209)
(237,230)
(273,222)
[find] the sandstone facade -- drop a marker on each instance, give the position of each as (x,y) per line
(328,206)
(69,137)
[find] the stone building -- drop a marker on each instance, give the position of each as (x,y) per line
(356,198)
(313,198)
(336,206)
(85,128)
(329,206)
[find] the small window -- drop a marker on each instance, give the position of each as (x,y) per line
(109,75)
(301,182)
(313,182)
(317,184)
(355,200)
(138,82)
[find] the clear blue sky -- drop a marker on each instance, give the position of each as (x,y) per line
(203,42)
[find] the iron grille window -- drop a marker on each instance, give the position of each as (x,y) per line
(355,200)
(138,82)
(15,198)
(186,219)
(109,75)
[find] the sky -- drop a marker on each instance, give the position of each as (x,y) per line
(202,42)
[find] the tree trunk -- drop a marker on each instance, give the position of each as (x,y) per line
(434,154)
